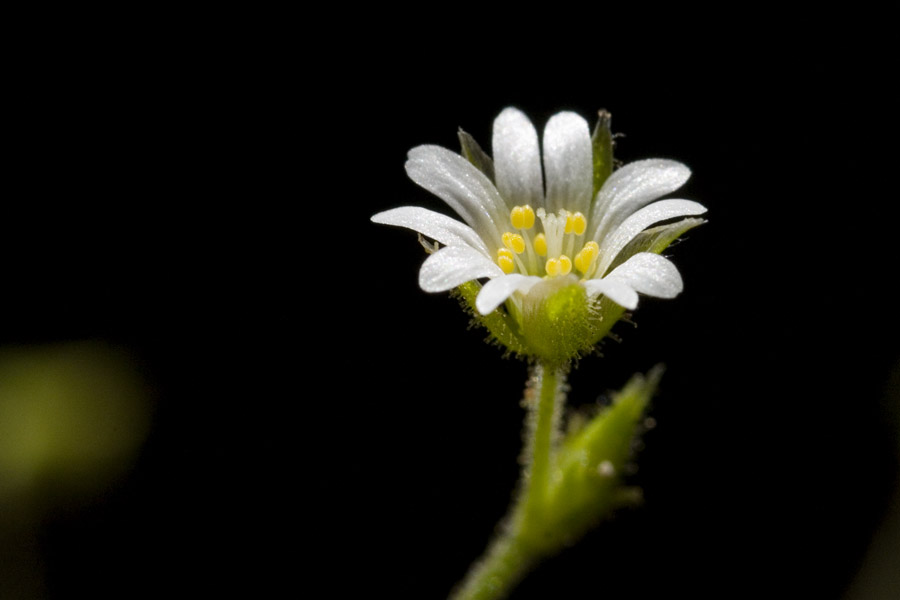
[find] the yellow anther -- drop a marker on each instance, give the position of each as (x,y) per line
(529,217)
(552,267)
(522,217)
(514,242)
(540,244)
(579,223)
(505,260)
(517,217)
(565,265)
(582,261)
(586,256)
(570,222)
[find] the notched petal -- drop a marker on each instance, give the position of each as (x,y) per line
(517,159)
(655,239)
(632,187)
(568,163)
(454,265)
(457,182)
(641,220)
(497,290)
(615,289)
(649,274)
(441,228)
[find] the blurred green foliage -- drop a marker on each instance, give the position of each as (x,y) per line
(71,416)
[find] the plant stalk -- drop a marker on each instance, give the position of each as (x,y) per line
(520,542)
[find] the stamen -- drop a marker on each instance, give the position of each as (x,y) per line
(522,217)
(565,265)
(570,222)
(540,244)
(514,242)
(585,258)
(505,260)
(554,230)
(579,223)
(552,267)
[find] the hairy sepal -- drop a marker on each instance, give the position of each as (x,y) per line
(559,322)
(501,326)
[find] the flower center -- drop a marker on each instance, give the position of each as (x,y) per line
(548,253)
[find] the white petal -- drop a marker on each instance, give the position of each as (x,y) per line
(497,290)
(454,180)
(656,239)
(454,265)
(442,228)
(663,210)
(615,289)
(649,274)
(568,163)
(633,186)
(517,160)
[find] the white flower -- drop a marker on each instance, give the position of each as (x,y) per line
(525,225)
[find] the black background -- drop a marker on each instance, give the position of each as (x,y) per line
(203,201)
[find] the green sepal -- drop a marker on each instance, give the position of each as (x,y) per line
(500,324)
(475,155)
(559,324)
(655,239)
(602,143)
(606,314)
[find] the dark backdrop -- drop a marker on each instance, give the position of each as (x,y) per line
(205,205)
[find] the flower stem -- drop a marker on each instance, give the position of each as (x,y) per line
(543,422)
(524,539)
(494,575)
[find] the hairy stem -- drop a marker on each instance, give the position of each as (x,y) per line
(542,425)
(523,540)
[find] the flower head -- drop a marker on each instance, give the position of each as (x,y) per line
(557,241)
